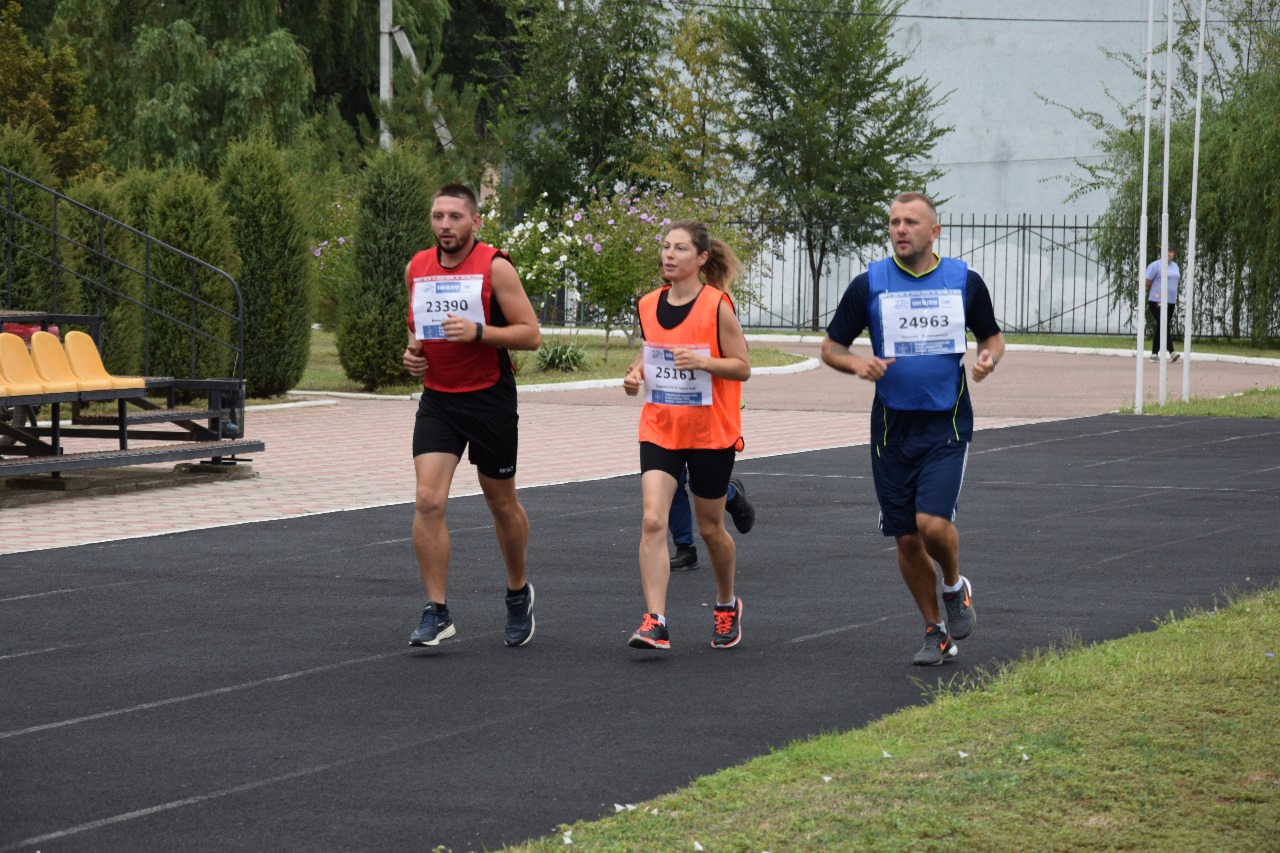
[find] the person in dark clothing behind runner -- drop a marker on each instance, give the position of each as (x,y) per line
(467,308)
(916,307)
(691,368)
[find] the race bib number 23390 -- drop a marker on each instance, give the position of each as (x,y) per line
(435,297)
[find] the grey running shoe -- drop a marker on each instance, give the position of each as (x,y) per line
(938,647)
(434,627)
(520,616)
(741,510)
(685,559)
(960,613)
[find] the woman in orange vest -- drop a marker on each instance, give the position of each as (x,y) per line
(691,370)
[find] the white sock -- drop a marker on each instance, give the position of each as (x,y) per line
(730,603)
(959,585)
(662,620)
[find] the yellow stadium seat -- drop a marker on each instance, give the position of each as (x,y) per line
(51,363)
(20,370)
(17,384)
(86,363)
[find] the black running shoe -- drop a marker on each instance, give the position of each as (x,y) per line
(520,616)
(728,630)
(434,627)
(685,559)
(741,510)
(938,647)
(651,634)
(961,616)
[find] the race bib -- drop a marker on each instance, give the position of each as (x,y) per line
(437,296)
(922,322)
(667,385)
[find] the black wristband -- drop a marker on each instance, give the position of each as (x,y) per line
(479,332)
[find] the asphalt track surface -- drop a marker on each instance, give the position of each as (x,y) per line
(250,687)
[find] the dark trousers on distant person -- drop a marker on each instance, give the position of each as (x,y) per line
(1158,333)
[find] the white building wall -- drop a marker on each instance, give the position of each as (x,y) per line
(1010,150)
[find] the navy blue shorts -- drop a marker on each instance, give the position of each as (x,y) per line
(925,480)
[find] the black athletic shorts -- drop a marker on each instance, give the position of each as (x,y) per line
(709,470)
(485,422)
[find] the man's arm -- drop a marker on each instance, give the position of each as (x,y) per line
(990,351)
(839,356)
(413,359)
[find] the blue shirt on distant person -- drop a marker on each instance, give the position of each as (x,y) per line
(1153,276)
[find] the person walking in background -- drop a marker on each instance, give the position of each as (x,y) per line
(691,367)
(467,308)
(680,523)
(916,306)
(1160,331)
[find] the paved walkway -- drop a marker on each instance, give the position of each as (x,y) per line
(349,454)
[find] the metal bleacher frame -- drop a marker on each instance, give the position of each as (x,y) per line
(213,432)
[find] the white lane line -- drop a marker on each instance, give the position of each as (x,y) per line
(258,783)
(843,628)
(205,694)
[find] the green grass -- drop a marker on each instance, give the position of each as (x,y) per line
(1216,346)
(324,370)
(1255,403)
(1164,740)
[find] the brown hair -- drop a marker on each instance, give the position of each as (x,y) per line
(903,198)
(723,266)
(461,191)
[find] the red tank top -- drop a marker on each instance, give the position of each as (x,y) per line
(456,366)
(677,427)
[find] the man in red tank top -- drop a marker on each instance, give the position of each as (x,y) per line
(467,308)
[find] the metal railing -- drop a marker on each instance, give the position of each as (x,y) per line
(51,247)
(1042,272)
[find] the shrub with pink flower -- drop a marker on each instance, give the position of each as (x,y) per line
(614,241)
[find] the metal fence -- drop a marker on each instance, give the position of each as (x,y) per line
(1041,270)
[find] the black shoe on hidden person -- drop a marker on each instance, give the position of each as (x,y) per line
(741,510)
(685,559)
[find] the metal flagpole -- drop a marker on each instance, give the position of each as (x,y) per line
(1164,202)
(1140,311)
(1191,232)
(384,69)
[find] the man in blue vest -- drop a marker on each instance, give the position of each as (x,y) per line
(916,307)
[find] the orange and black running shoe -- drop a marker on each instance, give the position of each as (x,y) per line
(651,634)
(728,629)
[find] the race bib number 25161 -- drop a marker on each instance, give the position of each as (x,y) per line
(668,385)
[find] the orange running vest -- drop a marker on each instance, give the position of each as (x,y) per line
(455,366)
(714,427)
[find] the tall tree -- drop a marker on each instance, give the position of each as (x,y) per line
(393,225)
(698,151)
(837,125)
(583,111)
(44,90)
(1237,270)
(269,226)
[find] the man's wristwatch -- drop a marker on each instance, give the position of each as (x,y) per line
(479,331)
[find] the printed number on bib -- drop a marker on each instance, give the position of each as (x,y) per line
(435,297)
(924,322)
(668,385)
